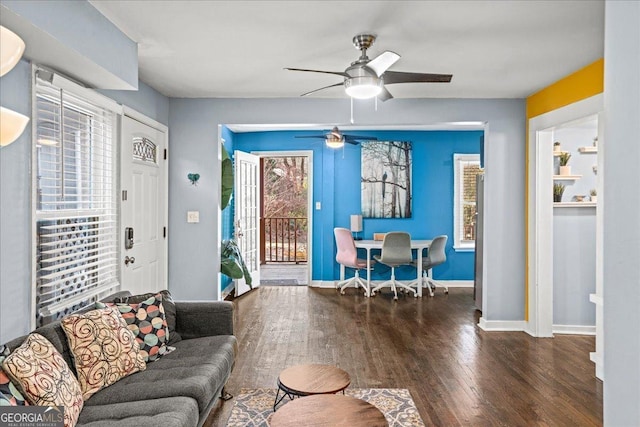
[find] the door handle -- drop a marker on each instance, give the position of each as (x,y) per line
(129,260)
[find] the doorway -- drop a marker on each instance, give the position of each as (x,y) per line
(144,207)
(286,223)
(547,216)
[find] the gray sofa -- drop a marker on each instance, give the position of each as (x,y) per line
(180,388)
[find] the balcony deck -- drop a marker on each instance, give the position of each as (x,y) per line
(283,274)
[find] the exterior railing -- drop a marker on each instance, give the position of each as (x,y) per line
(285,240)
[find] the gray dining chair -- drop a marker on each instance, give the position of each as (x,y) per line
(396,251)
(435,257)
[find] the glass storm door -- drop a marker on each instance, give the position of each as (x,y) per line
(247,216)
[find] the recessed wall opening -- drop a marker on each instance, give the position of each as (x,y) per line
(565,222)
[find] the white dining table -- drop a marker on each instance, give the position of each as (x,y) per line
(418,245)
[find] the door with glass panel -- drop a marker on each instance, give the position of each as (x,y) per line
(143,207)
(247,216)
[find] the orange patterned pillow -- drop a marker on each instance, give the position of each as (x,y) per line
(44,377)
(103,349)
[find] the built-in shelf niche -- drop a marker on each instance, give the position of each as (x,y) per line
(588,150)
(574,205)
(566,177)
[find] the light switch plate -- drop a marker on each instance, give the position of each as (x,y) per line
(193,217)
(318,206)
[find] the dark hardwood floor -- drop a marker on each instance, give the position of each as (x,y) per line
(456,373)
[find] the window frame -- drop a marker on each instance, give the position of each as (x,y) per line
(460,245)
(38,215)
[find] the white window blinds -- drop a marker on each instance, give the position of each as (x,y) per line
(76,211)
(466,167)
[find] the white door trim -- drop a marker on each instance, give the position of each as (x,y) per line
(136,115)
(309,155)
(540,224)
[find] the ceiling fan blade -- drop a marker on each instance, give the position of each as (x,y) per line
(382,62)
(322,88)
(385,95)
(391,77)
(337,73)
(349,138)
(312,136)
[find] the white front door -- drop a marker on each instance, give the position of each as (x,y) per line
(247,216)
(144,207)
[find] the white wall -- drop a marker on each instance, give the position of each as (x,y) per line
(193,257)
(622,214)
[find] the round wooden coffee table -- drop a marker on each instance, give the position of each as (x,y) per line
(306,380)
(328,410)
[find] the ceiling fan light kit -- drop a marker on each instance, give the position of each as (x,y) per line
(365,87)
(366,78)
(12,123)
(334,143)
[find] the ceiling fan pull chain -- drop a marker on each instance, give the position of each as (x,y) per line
(376,101)
(351,110)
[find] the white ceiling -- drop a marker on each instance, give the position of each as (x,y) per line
(238,49)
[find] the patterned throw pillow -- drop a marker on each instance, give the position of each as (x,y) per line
(103,349)
(44,377)
(148,323)
(9,394)
(169,311)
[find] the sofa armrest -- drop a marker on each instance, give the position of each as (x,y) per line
(204,318)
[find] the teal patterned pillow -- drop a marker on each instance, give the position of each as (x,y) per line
(9,394)
(148,323)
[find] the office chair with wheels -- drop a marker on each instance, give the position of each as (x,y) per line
(347,255)
(396,251)
(436,256)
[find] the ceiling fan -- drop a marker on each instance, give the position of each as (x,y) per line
(366,78)
(336,139)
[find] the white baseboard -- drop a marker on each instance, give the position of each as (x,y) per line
(501,325)
(456,283)
(574,329)
(323,284)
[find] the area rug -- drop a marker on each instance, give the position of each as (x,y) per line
(253,406)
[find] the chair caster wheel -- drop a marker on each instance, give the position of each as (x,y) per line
(395,298)
(341,292)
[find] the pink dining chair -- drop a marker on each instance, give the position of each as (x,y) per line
(347,255)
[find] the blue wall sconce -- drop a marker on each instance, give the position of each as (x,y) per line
(194,177)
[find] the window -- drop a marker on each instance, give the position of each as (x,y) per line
(466,167)
(75,205)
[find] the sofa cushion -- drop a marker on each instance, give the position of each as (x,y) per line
(169,310)
(166,412)
(147,321)
(198,368)
(44,377)
(104,349)
(9,394)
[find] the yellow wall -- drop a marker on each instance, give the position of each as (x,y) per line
(582,84)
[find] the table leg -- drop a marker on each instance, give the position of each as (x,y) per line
(419,281)
(368,272)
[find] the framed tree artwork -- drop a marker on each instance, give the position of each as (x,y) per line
(386,179)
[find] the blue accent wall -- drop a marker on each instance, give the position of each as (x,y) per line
(336,185)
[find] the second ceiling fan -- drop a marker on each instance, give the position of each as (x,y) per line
(336,139)
(366,78)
